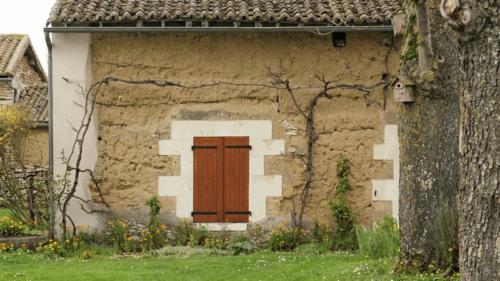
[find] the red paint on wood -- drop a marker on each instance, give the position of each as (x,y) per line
(221,179)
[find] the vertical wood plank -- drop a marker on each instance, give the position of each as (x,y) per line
(207,172)
(236,178)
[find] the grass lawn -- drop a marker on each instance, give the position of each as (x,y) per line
(258,266)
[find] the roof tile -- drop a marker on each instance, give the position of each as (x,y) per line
(342,12)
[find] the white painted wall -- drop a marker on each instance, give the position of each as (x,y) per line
(261,186)
(72,60)
(388,189)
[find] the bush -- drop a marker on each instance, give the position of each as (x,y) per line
(284,238)
(198,237)
(344,235)
(242,247)
(118,234)
(156,232)
(381,241)
(11,227)
(182,232)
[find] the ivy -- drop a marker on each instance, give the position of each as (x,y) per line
(410,40)
(344,236)
(343,173)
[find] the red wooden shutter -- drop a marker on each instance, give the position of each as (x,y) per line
(236,177)
(221,179)
(207,181)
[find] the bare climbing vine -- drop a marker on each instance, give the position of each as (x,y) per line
(73,158)
(327,90)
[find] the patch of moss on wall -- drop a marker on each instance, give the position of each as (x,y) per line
(410,41)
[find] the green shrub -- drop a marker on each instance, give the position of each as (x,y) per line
(343,173)
(240,245)
(344,235)
(214,243)
(381,241)
(198,236)
(51,248)
(11,227)
(155,234)
(71,246)
(284,238)
(258,236)
(182,231)
(118,234)
(321,234)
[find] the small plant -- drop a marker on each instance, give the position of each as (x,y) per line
(240,245)
(118,234)
(5,248)
(343,173)
(284,238)
(198,236)
(344,236)
(86,255)
(381,241)
(182,231)
(155,229)
(11,227)
(258,236)
(72,245)
(52,249)
(214,243)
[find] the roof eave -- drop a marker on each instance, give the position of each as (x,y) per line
(235,28)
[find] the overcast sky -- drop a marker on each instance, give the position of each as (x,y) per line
(29,17)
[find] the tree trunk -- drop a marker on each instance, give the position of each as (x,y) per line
(479,194)
(428,133)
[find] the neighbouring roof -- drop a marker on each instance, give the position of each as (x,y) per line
(336,12)
(13,47)
(35,98)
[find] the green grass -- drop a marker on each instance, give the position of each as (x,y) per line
(259,266)
(4,212)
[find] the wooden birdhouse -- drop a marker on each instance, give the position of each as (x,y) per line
(403,89)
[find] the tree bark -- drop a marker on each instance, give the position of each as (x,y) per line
(428,133)
(479,194)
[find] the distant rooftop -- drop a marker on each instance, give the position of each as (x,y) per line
(13,47)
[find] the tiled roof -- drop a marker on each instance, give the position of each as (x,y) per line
(339,12)
(12,49)
(35,98)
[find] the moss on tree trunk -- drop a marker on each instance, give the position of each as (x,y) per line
(428,133)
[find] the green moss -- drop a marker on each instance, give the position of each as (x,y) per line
(410,39)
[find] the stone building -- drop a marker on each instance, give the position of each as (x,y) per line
(199,119)
(23,81)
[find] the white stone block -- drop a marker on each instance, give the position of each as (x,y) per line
(260,186)
(383,190)
(223,226)
(264,186)
(259,129)
(268,147)
(173,186)
(174,147)
(256,164)
(388,190)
